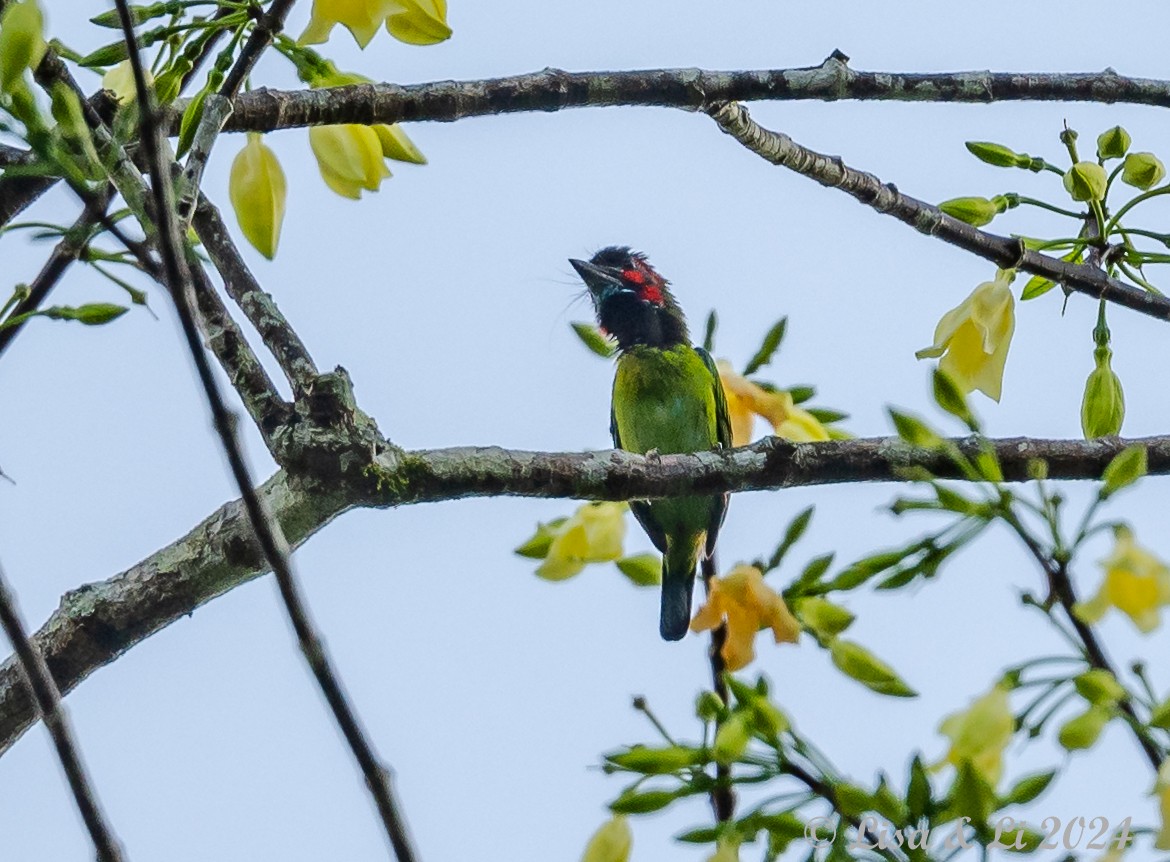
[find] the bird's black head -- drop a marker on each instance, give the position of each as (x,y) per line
(632,301)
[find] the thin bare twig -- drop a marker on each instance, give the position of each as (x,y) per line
(64,253)
(48,700)
(268,531)
(1004,252)
(722,794)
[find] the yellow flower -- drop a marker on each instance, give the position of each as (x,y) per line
(746,400)
(120,81)
(1136,583)
(980,734)
(1162,791)
(257,188)
(611,842)
(973,338)
(361,17)
(22,42)
(748,605)
(593,534)
(725,851)
(349,158)
(419,22)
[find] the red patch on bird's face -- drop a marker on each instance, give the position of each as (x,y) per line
(648,289)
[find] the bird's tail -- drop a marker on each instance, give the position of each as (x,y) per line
(678,583)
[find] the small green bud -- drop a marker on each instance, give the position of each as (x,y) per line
(1099,687)
(1160,717)
(1113,143)
(92,314)
(1142,170)
(826,619)
(1082,731)
(768,719)
(997,154)
(709,706)
(642,803)
(732,738)
(107,55)
(973,210)
(858,663)
(1086,181)
(138,15)
(22,41)
(1103,405)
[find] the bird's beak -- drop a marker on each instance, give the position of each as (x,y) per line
(598,279)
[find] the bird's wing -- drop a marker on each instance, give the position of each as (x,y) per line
(640,508)
(723,436)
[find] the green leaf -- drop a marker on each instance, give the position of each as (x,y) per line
(592,338)
(1160,717)
(771,343)
(858,663)
(950,398)
(1028,788)
(644,570)
(913,430)
(537,546)
(826,619)
(708,835)
(644,802)
(107,55)
(709,331)
(970,796)
(816,568)
(802,393)
(792,535)
(1125,469)
(1038,285)
(864,569)
(918,791)
(826,416)
(657,761)
(189,124)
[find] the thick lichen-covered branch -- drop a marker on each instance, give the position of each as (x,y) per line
(689,89)
(885,198)
(98,622)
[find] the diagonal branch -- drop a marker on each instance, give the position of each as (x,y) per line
(48,704)
(97,623)
(266,110)
(1006,253)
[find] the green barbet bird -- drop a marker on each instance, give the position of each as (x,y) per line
(667,398)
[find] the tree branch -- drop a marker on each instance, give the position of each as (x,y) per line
(265,110)
(1004,252)
(98,622)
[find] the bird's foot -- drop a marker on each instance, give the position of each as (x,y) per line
(654,455)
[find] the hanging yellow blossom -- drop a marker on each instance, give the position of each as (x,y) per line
(980,734)
(973,338)
(120,81)
(349,158)
(419,22)
(1136,583)
(746,400)
(257,188)
(361,17)
(748,605)
(594,534)
(611,842)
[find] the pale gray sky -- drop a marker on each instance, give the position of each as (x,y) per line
(447,296)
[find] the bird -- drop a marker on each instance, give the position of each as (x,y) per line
(667,399)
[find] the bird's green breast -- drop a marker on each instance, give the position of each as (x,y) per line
(664,400)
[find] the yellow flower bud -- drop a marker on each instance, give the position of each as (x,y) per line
(1086,181)
(349,158)
(258,190)
(1103,405)
(120,81)
(396,145)
(726,850)
(980,734)
(1142,170)
(22,41)
(1113,143)
(973,210)
(419,22)
(611,842)
(644,570)
(1081,731)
